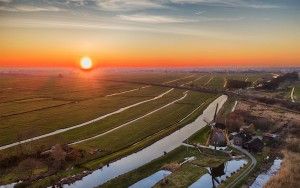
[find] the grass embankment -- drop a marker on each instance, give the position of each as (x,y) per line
(185,175)
(226,110)
(200,137)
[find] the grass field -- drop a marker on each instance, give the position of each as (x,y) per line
(75,112)
(53,103)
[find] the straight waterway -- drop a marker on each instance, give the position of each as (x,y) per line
(146,155)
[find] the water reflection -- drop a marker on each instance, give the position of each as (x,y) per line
(151,180)
(263,178)
(216,175)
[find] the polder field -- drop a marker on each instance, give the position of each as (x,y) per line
(102,116)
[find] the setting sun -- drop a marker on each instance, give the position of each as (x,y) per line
(86,63)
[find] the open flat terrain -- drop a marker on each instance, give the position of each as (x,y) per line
(105,115)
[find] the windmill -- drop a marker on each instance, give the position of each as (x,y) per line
(218,133)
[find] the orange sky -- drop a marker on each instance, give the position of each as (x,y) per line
(211,35)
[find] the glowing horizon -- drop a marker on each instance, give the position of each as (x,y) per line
(149,33)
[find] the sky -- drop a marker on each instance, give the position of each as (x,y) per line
(150,33)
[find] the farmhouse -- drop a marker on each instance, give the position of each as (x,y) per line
(254,145)
(240,138)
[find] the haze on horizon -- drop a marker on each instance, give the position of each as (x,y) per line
(132,33)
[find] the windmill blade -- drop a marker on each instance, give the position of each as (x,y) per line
(206,121)
(214,178)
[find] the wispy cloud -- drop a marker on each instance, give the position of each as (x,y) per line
(5,1)
(159,19)
(125,5)
(33,23)
(29,8)
(229,3)
(153,19)
(200,12)
(219,19)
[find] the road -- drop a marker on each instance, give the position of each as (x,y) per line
(253,161)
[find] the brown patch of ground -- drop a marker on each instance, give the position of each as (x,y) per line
(287,125)
(289,173)
(280,117)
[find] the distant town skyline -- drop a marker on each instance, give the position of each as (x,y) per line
(150,33)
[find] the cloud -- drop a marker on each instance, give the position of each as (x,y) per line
(125,5)
(158,19)
(200,12)
(33,23)
(5,1)
(29,8)
(228,3)
(220,19)
(153,19)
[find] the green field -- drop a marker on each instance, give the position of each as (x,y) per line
(52,103)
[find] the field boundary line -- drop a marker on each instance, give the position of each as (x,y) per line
(35,110)
(82,124)
(132,121)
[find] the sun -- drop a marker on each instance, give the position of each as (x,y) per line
(86,63)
